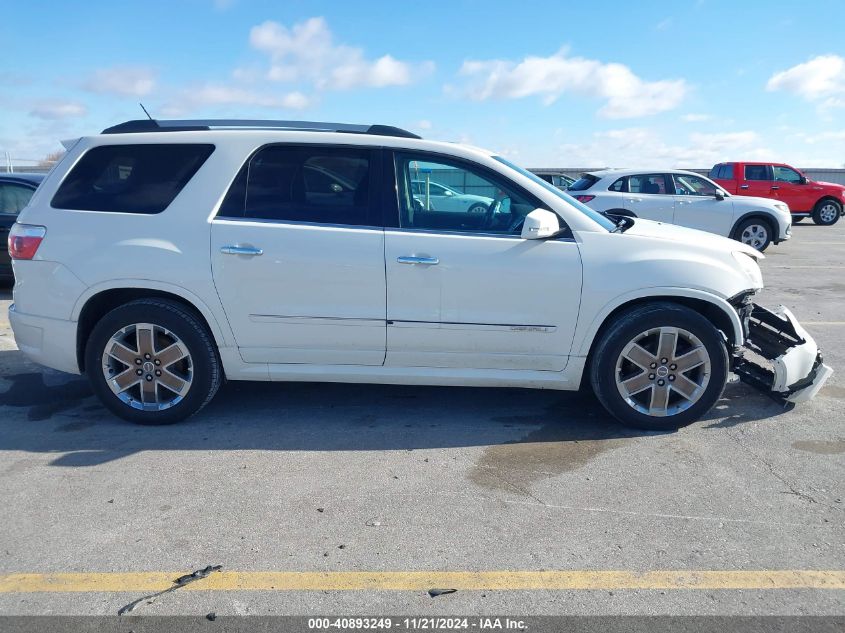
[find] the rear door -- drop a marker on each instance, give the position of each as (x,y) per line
(649,197)
(756,180)
(464,290)
(297,253)
(697,207)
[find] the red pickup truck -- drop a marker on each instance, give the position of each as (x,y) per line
(823,201)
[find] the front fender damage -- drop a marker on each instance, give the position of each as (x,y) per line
(779,357)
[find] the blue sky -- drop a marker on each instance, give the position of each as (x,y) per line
(682,83)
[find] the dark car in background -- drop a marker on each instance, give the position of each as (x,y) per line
(15,192)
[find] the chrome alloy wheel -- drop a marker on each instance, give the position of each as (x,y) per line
(663,371)
(828,213)
(755,235)
(148,367)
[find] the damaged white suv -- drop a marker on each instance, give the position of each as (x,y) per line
(162,257)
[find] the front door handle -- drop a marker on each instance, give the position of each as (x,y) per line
(743,186)
(250,251)
(425,261)
(775,187)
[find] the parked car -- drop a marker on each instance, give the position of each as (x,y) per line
(161,256)
(15,192)
(561,181)
(433,196)
(806,198)
(685,198)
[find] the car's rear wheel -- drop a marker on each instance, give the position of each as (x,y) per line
(827,212)
(659,367)
(152,361)
(755,232)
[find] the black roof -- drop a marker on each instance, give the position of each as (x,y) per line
(151,125)
(34,179)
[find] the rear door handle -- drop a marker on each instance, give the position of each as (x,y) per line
(743,186)
(775,187)
(250,251)
(425,261)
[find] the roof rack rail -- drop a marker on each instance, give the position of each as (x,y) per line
(154,125)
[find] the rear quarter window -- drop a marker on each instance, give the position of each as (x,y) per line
(142,179)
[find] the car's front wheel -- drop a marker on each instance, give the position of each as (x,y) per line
(659,367)
(755,232)
(152,361)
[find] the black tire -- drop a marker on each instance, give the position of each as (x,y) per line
(797,218)
(827,212)
(748,224)
(624,329)
(174,317)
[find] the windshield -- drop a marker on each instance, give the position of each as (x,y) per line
(595,216)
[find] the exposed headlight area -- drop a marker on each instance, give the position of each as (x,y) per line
(782,207)
(749,266)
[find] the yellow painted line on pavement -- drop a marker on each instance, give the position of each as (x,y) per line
(423,580)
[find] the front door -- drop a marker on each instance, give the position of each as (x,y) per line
(790,187)
(697,206)
(756,181)
(297,254)
(464,290)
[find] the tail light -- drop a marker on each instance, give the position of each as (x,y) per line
(584,198)
(24,240)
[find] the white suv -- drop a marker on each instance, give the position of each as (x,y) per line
(162,257)
(688,199)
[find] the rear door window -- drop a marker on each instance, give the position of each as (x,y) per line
(647,183)
(287,183)
(130,178)
(758,172)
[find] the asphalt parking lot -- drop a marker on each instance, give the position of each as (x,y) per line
(526,502)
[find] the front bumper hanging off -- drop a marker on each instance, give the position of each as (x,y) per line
(779,356)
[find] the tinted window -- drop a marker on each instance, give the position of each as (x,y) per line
(647,183)
(757,172)
(328,185)
(787,174)
(476,201)
(583,183)
(724,171)
(130,178)
(686,185)
(13,198)
(619,185)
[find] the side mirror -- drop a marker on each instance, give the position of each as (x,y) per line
(448,193)
(720,195)
(803,180)
(540,224)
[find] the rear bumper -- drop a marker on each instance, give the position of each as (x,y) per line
(46,341)
(779,356)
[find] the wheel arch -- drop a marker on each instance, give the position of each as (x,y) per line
(716,309)
(825,197)
(757,214)
(98,301)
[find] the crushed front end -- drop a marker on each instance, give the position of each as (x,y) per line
(779,357)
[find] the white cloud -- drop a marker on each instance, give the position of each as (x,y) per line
(126,81)
(696,118)
(626,95)
(307,52)
(52,110)
(646,148)
(212,95)
(820,79)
